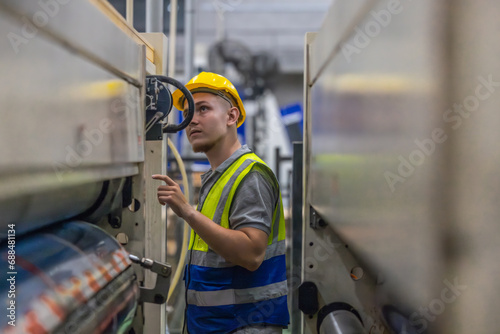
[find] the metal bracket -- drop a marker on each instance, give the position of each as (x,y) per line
(316,221)
(158,294)
(158,106)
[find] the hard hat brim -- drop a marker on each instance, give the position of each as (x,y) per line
(178,99)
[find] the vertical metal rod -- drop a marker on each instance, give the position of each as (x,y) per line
(154,15)
(220,27)
(277,163)
(296,234)
(172,37)
(130,12)
(188,39)
(172,117)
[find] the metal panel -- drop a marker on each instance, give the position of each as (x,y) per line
(72,112)
(377,155)
(67,22)
(63,112)
(473,229)
(327,260)
(341,19)
(155,233)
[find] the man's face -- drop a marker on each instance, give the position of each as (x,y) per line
(209,124)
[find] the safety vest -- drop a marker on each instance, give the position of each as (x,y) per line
(221,296)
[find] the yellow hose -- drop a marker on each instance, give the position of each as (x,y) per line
(185,237)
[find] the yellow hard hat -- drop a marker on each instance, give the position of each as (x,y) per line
(214,82)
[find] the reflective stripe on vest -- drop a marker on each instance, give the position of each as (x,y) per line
(236,296)
(212,259)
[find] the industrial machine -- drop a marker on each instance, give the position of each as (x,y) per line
(395,219)
(84,111)
(400,219)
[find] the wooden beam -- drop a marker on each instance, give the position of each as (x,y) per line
(121,23)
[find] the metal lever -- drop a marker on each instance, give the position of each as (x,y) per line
(158,116)
(158,294)
(172,128)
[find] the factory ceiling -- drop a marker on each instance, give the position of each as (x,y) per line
(276,27)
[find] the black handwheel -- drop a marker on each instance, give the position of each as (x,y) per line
(172,128)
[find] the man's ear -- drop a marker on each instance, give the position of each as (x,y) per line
(233,116)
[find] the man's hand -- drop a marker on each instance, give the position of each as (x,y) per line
(171,194)
(245,247)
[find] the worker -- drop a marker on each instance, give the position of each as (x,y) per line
(236,274)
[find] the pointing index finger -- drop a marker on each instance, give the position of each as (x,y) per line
(165,179)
